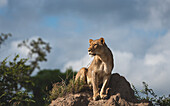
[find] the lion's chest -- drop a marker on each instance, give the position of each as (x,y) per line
(100,67)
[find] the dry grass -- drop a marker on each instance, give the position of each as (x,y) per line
(60,89)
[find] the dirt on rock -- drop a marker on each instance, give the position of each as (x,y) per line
(119,91)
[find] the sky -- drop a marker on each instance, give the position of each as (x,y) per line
(137,32)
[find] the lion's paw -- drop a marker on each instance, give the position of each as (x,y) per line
(96,97)
(102,96)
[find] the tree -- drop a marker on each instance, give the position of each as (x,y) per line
(13,79)
(44,81)
(37,48)
(4,37)
(15,76)
(148,94)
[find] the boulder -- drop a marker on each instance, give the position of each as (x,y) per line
(119,91)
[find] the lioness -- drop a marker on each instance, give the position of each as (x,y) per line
(100,69)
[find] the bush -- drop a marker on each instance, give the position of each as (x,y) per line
(48,77)
(13,80)
(149,95)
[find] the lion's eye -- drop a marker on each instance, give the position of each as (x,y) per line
(95,45)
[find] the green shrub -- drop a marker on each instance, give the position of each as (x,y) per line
(13,80)
(48,77)
(148,94)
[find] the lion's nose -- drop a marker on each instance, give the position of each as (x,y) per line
(89,50)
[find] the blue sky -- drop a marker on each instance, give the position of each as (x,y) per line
(137,31)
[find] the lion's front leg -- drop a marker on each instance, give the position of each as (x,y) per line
(105,82)
(96,95)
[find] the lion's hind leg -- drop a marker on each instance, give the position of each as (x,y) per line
(82,74)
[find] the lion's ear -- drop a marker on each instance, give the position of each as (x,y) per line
(102,40)
(90,40)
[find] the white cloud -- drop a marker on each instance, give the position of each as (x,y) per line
(23,51)
(161,45)
(151,59)
(3,3)
(78,64)
(153,69)
(122,61)
(159,11)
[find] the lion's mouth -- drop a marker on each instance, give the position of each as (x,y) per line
(93,54)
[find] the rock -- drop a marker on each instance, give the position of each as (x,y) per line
(118,84)
(119,91)
(71,100)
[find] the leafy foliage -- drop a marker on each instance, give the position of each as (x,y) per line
(14,78)
(4,37)
(37,49)
(48,77)
(149,94)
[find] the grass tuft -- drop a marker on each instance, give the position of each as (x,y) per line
(60,89)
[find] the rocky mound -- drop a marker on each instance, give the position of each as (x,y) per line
(119,91)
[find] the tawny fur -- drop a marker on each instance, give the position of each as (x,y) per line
(100,69)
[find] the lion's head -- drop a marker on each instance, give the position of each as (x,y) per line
(96,46)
